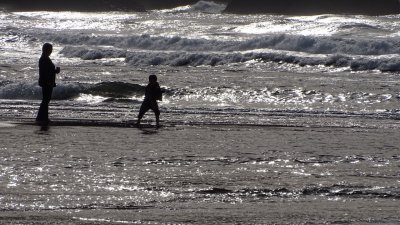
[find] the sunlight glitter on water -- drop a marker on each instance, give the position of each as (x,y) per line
(90,99)
(78,20)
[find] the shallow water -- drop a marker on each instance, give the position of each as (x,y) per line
(199,175)
(216,95)
(214,67)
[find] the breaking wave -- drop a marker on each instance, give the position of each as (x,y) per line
(183,58)
(297,43)
(210,59)
(356,54)
(201,6)
(32,91)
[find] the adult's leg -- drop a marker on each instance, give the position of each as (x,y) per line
(158,120)
(43,114)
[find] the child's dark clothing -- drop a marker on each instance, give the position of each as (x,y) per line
(153,93)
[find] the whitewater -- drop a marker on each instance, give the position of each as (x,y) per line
(267,119)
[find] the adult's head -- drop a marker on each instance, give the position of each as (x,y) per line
(47,49)
(152,78)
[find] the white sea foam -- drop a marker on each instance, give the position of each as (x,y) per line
(358,54)
(334,41)
(201,6)
(71,20)
(183,58)
(32,91)
(298,43)
(91,99)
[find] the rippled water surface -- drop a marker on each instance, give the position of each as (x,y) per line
(199,175)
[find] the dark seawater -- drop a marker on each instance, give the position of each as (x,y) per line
(267,119)
(283,7)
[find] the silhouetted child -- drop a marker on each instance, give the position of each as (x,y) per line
(152,94)
(47,80)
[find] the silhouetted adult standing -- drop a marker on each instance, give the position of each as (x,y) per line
(47,80)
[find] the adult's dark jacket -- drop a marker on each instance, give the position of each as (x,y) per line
(47,72)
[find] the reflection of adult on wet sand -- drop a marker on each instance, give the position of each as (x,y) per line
(47,80)
(152,94)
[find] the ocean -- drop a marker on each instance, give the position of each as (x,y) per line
(266,118)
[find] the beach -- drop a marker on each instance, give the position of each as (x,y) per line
(265,118)
(210,174)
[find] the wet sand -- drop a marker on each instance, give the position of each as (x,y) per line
(207,174)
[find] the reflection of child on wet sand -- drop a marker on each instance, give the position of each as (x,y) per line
(153,93)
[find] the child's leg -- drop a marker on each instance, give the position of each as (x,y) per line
(143,109)
(156,113)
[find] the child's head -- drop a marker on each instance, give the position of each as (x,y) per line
(152,78)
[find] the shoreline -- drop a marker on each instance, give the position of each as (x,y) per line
(84,122)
